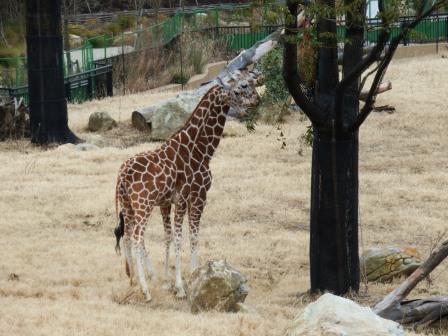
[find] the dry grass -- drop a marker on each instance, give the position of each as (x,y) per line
(58,215)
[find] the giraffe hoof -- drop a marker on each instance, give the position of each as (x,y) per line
(180,293)
(166,286)
(148,298)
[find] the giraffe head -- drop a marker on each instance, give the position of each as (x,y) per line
(240,93)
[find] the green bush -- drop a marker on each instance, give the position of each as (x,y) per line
(100,41)
(125,22)
(275,98)
(272,68)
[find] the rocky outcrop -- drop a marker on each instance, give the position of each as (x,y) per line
(384,263)
(337,316)
(101,121)
(216,286)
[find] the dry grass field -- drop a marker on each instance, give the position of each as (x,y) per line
(57,217)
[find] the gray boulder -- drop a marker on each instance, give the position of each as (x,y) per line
(101,121)
(169,117)
(337,316)
(216,286)
(384,263)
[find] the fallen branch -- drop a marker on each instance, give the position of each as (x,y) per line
(420,312)
(383,87)
(384,108)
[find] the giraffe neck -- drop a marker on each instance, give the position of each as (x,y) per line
(211,134)
(197,128)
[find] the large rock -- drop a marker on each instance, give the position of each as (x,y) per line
(101,121)
(216,286)
(383,264)
(169,117)
(332,315)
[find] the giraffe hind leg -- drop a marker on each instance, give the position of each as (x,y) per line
(127,249)
(128,225)
(139,255)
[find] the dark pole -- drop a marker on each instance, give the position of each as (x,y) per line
(48,106)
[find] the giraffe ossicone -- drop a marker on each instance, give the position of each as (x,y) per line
(176,174)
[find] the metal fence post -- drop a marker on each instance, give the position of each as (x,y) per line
(437,33)
(68,91)
(109,83)
(89,87)
(104,45)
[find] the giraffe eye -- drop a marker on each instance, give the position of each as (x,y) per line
(244,86)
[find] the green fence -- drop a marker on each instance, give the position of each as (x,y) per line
(78,88)
(13,69)
(82,60)
(432,29)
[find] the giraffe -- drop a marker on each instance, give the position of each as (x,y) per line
(177,173)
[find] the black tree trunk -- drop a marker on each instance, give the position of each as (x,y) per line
(334,215)
(48,107)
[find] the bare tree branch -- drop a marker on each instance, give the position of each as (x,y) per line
(370,100)
(290,71)
(364,80)
(369,59)
(347,100)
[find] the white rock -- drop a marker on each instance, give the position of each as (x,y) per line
(66,147)
(85,147)
(333,315)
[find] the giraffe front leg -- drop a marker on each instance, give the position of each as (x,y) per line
(194,217)
(179,216)
(165,211)
(148,265)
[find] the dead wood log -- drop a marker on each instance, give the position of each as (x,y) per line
(422,311)
(141,119)
(383,87)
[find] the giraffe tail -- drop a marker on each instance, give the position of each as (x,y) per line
(119,232)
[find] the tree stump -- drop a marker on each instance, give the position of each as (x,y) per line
(14,120)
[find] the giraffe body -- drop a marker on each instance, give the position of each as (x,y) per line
(176,174)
